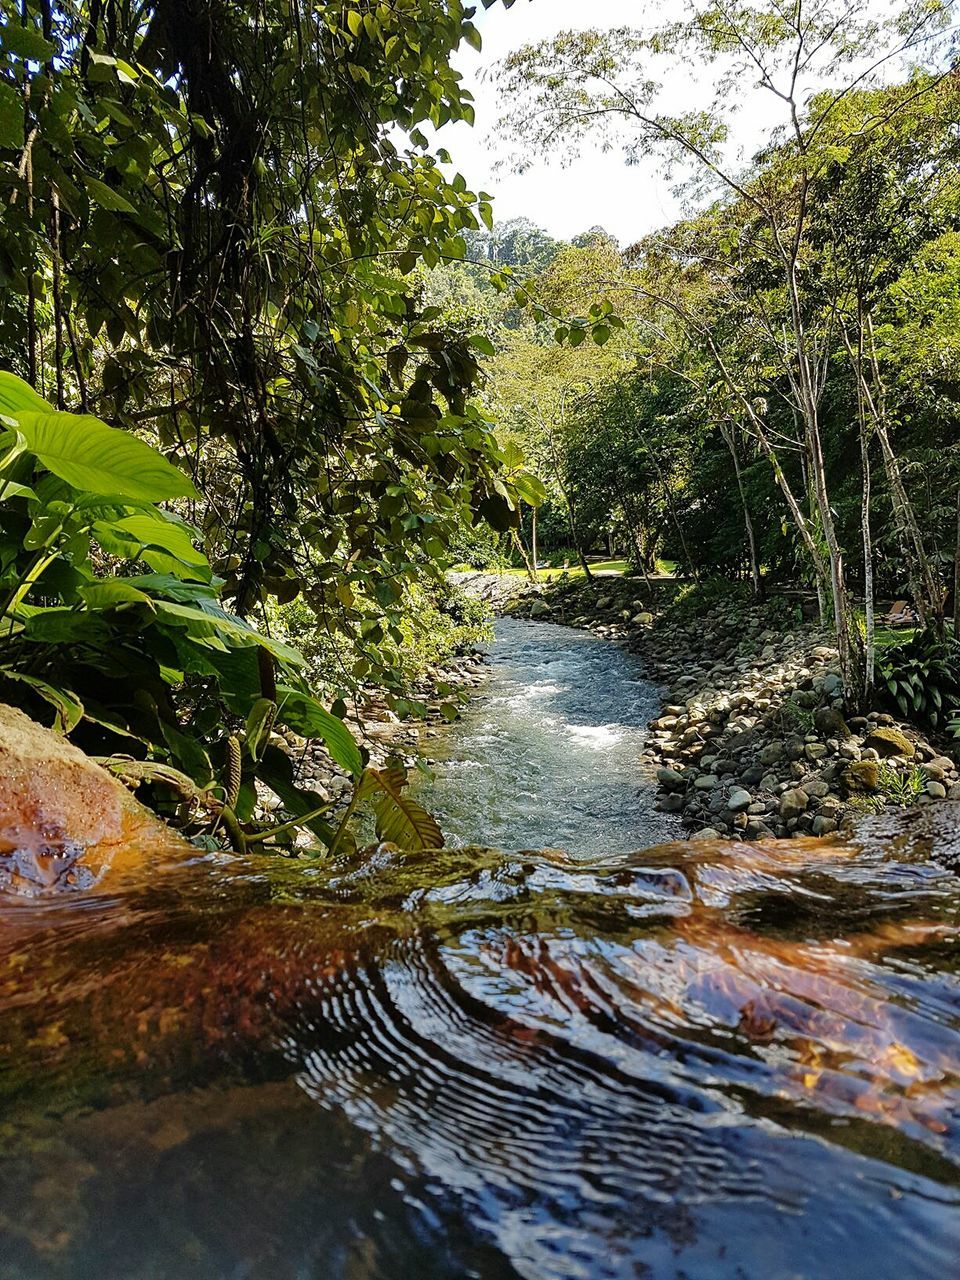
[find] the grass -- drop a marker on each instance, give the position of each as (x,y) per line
(575,570)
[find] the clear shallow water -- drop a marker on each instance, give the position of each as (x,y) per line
(547,754)
(694,1063)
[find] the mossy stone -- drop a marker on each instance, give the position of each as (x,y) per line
(862,775)
(889,742)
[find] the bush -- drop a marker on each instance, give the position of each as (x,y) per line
(920,679)
(110,616)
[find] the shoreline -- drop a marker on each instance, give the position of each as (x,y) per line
(751,741)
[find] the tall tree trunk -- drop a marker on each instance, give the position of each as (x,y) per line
(930,598)
(729,436)
(633,523)
(805,385)
(518,543)
(533,542)
(869,654)
(956,577)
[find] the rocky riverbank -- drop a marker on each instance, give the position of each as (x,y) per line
(381,731)
(751,741)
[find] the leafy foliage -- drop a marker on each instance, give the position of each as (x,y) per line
(921,680)
(148,663)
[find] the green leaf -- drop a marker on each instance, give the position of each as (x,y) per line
(483,345)
(16,396)
(304,714)
(258,725)
(11,118)
(188,754)
(106,197)
(276,770)
(25,42)
(99,459)
(211,622)
(400,820)
(67,705)
(166,585)
(166,535)
(111,592)
(11,489)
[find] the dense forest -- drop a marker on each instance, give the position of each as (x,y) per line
(774,397)
(270,368)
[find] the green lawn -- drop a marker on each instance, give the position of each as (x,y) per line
(575,570)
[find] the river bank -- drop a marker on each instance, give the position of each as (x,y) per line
(751,741)
(381,731)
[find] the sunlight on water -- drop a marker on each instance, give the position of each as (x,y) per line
(704,1061)
(553,742)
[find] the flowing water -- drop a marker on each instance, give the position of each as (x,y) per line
(548,754)
(696,1063)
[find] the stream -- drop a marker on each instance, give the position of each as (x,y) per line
(547,754)
(698,1062)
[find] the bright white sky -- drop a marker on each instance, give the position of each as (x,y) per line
(599,189)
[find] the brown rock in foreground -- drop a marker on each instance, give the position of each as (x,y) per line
(63,819)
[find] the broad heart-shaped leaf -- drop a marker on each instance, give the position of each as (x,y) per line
(96,458)
(399,819)
(17,396)
(304,715)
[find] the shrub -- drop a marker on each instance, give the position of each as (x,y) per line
(920,679)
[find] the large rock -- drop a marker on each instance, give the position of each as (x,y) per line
(889,742)
(830,723)
(793,803)
(862,775)
(63,819)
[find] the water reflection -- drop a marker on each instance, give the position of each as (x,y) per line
(700,1062)
(469,1064)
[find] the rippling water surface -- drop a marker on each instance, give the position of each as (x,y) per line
(696,1063)
(547,754)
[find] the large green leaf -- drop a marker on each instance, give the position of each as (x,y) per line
(68,707)
(11,117)
(106,197)
(87,453)
(108,593)
(304,714)
(165,535)
(276,770)
(400,820)
(17,396)
(209,622)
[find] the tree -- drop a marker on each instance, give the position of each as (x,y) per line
(584,83)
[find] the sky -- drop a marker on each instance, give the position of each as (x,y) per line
(598,189)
